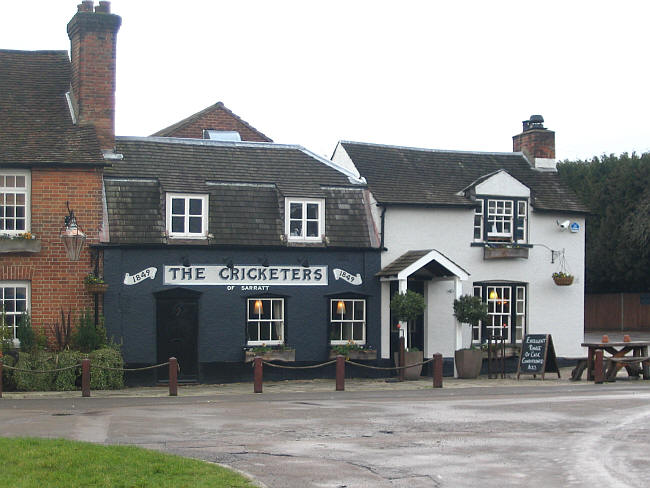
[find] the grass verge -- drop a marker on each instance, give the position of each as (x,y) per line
(37,463)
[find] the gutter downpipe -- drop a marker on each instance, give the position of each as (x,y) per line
(383,219)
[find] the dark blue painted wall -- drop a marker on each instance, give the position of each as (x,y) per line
(130,311)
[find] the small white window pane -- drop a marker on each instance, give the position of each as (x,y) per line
(312,229)
(296,211)
(178,224)
(11,181)
(20,182)
(195,225)
(195,206)
(178,206)
(312,211)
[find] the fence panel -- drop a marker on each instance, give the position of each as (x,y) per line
(617,311)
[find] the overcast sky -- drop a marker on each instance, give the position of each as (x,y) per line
(447,74)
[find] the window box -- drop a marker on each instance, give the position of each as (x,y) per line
(511,351)
(18,244)
(286,354)
(355,354)
(504,252)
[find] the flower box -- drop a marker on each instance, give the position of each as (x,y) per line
(287,355)
(19,245)
(563,280)
(504,252)
(96,287)
(359,354)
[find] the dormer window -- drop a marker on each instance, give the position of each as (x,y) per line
(501,220)
(187,216)
(304,219)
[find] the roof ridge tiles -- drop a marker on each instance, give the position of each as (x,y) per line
(425,149)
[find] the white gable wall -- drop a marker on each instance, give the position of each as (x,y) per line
(503,184)
(551,308)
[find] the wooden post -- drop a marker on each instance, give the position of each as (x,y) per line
(0,378)
(437,370)
(173,376)
(402,372)
(85,378)
(340,373)
(599,375)
(257,374)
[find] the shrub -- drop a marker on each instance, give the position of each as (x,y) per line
(471,310)
(25,334)
(8,380)
(6,334)
(70,378)
(106,379)
(38,360)
(86,338)
(62,332)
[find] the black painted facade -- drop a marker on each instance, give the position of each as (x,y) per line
(133,312)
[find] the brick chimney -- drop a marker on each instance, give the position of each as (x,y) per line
(536,142)
(93,36)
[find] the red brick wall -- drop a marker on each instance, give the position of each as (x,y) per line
(57,282)
(218,119)
(536,143)
(93,39)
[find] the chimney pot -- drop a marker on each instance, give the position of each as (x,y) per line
(536,142)
(103,7)
(85,6)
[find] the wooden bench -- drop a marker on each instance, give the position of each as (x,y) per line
(633,364)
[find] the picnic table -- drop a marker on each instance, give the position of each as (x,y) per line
(631,355)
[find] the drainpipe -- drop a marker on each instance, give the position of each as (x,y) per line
(383,220)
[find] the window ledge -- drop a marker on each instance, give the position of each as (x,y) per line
(19,245)
(505,252)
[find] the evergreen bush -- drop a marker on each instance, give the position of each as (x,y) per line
(86,337)
(105,379)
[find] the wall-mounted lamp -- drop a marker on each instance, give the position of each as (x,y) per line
(304,262)
(72,236)
(185,261)
(229,264)
(257,307)
(340,307)
(493,295)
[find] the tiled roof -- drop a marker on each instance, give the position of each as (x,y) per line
(216,117)
(403,175)
(35,123)
(246,183)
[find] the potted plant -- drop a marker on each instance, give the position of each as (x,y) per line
(471,310)
(278,352)
(408,307)
(95,284)
(351,350)
(562,279)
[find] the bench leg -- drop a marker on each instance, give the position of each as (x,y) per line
(576,373)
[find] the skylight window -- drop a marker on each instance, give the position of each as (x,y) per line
(221,135)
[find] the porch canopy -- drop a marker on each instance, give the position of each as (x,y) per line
(425,265)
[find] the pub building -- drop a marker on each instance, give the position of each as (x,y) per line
(213,248)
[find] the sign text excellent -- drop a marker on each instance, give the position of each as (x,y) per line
(245,275)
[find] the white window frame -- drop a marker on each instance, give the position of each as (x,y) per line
(264,322)
(512,310)
(26,190)
(321,219)
(500,216)
(341,322)
(204,217)
(478,220)
(12,316)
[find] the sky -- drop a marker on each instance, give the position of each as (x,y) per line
(457,75)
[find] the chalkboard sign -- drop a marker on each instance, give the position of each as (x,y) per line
(537,356)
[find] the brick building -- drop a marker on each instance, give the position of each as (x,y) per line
(56,137)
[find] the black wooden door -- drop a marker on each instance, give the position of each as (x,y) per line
(177,324)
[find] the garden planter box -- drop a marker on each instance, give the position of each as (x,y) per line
(505,252)
(468,363)
(511,351)
(96,287)
(20,245)
(363,355)
(411,357)
(284,355)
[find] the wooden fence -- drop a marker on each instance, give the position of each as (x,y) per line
(617,311)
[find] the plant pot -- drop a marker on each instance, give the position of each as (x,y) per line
(96,287)
(286,355)
(563,280)
(359,355)
(411,357)
(468,363)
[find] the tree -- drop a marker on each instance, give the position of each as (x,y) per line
(617,191)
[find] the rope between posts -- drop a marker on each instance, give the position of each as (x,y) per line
(132,369)
(20,370)
(299,367)
(388,369)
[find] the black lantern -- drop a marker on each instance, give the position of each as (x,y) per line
(72,236)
